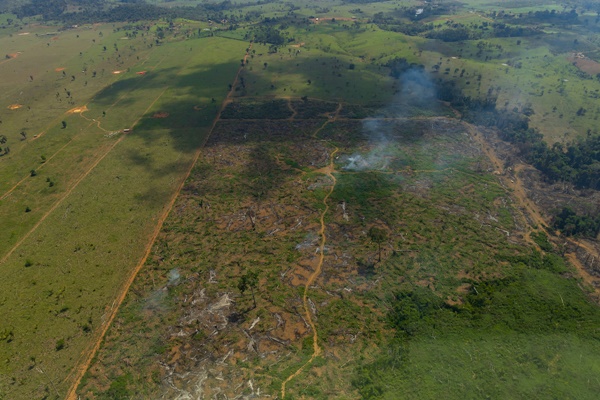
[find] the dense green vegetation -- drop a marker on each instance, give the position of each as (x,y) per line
(514,334)
(568,222)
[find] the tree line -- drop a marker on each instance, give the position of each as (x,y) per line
(450,31)
(91,11)
(577,162)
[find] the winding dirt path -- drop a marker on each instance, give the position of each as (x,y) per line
(328,170)
(316,348)
(89,355)
(292,109)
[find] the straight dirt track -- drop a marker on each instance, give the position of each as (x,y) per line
(83,366)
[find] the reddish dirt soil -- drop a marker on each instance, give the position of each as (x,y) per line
(585,64)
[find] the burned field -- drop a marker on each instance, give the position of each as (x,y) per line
(359,233)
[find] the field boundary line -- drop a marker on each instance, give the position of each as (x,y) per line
(82,369)
(59,201)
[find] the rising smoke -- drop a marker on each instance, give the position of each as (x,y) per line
(417,95)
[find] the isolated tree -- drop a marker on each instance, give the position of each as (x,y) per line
(64,124)
(252,215)
(249,281)
(378,235)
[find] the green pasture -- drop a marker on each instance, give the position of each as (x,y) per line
(340,62)
(63,277)
(514,6)
(44,99)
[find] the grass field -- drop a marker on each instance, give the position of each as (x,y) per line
(98,192)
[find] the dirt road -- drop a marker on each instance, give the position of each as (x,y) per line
(88,356)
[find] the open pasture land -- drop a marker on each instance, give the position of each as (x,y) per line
(506,52)
(294,200)
(531,72)
(80,201)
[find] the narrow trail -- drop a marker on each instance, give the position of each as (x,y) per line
(93,121)
(292,109)
(316,348)
(89,355)
(328,170)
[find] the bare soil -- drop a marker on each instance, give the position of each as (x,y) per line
(585,64)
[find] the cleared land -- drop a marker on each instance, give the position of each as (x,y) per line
(254,202)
